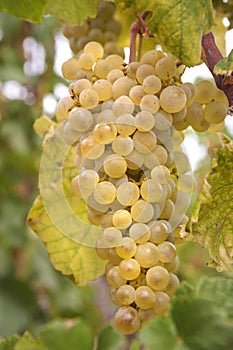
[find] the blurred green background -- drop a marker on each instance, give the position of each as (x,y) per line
(31,291)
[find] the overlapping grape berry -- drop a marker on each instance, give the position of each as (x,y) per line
(104,28)
(133,174)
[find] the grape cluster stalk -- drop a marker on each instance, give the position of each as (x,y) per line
(125,122)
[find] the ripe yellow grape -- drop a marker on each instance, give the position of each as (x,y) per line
(114,277)
(139,232)
(161,305)
(150,103)
(157,277)
(127,193)
(147,254)
(121,219)
(104,133)
(144,121)
(70,68)
(144,297)
(95,49)
(103,89)
(143,71)
(129,269)
(151,84)
(167,252)
(215,112)
(125,295)
(172,99)
(90,148)
(88,98)
(151,191)
(123,145)
(142,211)
(104,192)
(115,166)
(126,320)
(126,248)
(159,231)
(205,91)
(144,142)
(165,68)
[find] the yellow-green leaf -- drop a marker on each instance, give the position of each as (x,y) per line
(180,24)
(212,222)
(26,9)
(225,66)
(73,11)
(60,218)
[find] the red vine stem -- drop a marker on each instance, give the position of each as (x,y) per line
(210,56)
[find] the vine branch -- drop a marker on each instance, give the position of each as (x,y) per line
(210,56)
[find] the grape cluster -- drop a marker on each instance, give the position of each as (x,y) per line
(133,174)
(206,107)
(104,28)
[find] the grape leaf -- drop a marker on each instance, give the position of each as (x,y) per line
(110,339)
(73,11)
(177,24)
(9,343)
(211,223)
(69,257)
(26,9)
(67,334)
(225,66)
(26,342)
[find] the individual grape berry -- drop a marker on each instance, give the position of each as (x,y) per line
(126,320)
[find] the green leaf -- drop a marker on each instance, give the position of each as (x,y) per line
(73,11)
(201,322)
(135,345)
(28,343)
(159,333)
(180,24)
(225,66)
(9,343)
(211,222)
(68,334)
(110,339)
(25,9)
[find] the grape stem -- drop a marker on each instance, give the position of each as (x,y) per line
(138,27)
(210,56)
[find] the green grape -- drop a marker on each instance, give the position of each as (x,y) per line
(181,162)
(159,156)
(151,57)
(125,295)
(95,34)
(190,92)
(81,119)
(187,183)
(163,120)
(111,237)
(165,68)
(114,26)
(103,89)
(64,107)
(86,61)
(104,192)
(123,105)
(116,61)
(115,166)
(102,68)
(129,269)
(221,97)
(161,305)
(88,98)
(160,174)
(104,133)
(195,117)
(122,86)
(172,99)
(135,160)
(142,211)
(144,142)
(123,145)
(205,91)
(159,231)
(127,193)
(151,84)
(114,74)
(136,93)
(132,69)
(70,135)
(215,112)
(125,125)
(157,277)
(126,248)
(139,232)
(70,68)
(151,191)
(122,219)
(88,178)
(150,103)
(80,85)
(114,277)
(143,71)
(173,265)
(144,121)
(147,254)
(145,315)
(144,297)
(167,252)
(94,49)
(172,285)
(90,148)
(126,320)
